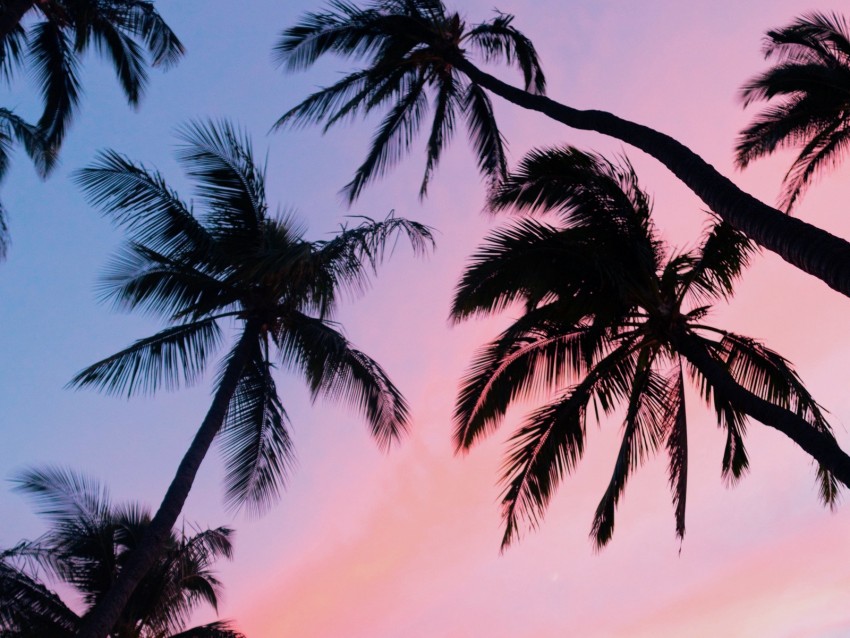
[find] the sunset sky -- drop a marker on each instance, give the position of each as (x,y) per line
(365,544)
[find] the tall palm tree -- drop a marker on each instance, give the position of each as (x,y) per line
(406,43)
(85,549)
(808,90)
(235,262)
(51,35)
(608,318)
(13,129)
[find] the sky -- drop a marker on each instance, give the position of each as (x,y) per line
(406,543)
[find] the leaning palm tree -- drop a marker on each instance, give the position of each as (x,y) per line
(412,47)
(235,262)
(85,549)
(14,130)
(808,89)
(610,318)
(51,35)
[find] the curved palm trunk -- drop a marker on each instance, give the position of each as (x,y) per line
(820,446)
(99,622)
(11,14)
(807,247)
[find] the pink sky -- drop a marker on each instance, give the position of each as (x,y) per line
(407,544)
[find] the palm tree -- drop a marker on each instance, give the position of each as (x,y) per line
(609,317)
(14,129)
(405,44)
(234,262)
(809,91)
(86,548)
(60,31)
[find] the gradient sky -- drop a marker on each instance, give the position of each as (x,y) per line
(365,544)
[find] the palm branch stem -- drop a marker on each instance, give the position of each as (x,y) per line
(99,622)
(821,446)
(11,14)
(807,247)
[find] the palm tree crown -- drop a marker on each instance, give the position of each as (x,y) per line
(51,35)
(404,41)
(405,45)
(239,262)
(608,318)
(809,93)
(86,547)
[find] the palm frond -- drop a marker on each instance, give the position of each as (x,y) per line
(813,36)
(447,104)
(218,156)
(530,357)
(344,29)
(724,254)
(141,202)
(484,135)
(643,431)
(141,279)
(551,441)
(499,40)
(12,48)
(13,128)
(126,56)
(358,248)
(218,629)
(393,137)
(823,150)
(63,495)
(677,447)
(336,371)
(162,43)
(28,609)
(172,357)
(257,448)
(55,67)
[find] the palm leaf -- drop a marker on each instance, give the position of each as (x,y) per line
(393,137)
(170,358)
(257,448)
(55,67)
(528,358)
(139,200)
(219,629)
(551,441)
(724,254)
(643,431)
(218,156)
(677,448)
(12,47)
(499,40)
(64,496)
(15,129)
(138,278)
(336,371)
(126,56)
(484,135)
(29,610)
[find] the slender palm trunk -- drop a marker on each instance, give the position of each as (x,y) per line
(821,446)
(11,14)
(807,247)
(99,622)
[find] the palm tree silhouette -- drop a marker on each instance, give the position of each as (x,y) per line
(234,262)
(86,547)
(809,93)
(609,317)
(409,45)
(62,30)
